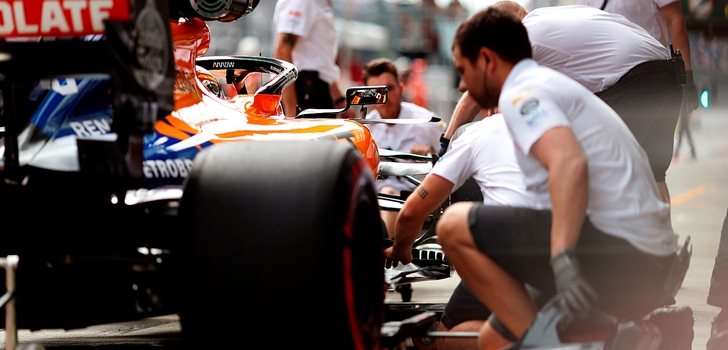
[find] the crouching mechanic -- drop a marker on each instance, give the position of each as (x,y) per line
(606,241)
(484,151)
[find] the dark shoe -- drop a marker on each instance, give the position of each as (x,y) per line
(719,332)
(676,327)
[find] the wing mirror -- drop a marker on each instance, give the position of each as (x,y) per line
(355,96)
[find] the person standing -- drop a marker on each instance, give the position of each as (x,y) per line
(306,36)
(605,243)
(664,20)
(419,138)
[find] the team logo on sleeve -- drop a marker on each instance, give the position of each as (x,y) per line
(531,111)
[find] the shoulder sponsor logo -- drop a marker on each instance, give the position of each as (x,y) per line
(531,111)
(520,97)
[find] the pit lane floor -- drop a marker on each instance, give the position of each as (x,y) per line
(699,202)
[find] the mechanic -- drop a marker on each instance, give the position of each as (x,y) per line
(617,60)
(306,37)
(664,20)
(484,151)
(607,241)
(421,138)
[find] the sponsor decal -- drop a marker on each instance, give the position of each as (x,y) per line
(152,53)
(531,111)
(90,127)
(34,18)
(167,168)
(223,64)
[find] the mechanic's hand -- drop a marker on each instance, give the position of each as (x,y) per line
(404,256)
(444,144)
(421,149)
(574,294)
(690,93)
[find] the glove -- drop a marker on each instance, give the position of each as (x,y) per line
(574,294)
(690,93)
(444,144)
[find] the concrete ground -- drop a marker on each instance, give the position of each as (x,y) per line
(699,199)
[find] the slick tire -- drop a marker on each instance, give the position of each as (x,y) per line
(284,239)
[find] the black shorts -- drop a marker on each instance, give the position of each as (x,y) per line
(312,92)
(648,99)
(629,283)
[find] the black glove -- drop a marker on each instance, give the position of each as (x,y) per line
(690,93)
(574,294)
(444,144)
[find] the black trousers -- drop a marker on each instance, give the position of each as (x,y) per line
(648,99)
(629,282)
(312,92)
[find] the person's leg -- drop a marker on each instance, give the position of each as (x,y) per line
(489,282)
(490,339)
(389,216)
(718,293)
(463,313)
(459,343)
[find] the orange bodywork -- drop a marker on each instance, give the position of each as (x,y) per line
(201,118)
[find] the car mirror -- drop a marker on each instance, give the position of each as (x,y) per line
(355,96)
(366,95)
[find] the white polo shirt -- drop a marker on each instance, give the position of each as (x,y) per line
(313,22)
(484,151)
(591,46)
(623,197)
(645,13)
(403,137)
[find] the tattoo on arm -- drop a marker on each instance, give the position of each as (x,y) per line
(422,192)
(290,39)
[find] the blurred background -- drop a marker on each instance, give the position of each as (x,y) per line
(417,34)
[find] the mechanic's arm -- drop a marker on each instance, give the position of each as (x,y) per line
(285,42)
(560,153)
(425,199)
(465,111)
(675,22)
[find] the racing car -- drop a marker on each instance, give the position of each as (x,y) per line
(146,179)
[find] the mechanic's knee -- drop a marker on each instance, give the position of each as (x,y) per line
(452,343)
(490,339)
(453,222)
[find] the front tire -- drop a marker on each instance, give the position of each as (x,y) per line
(281,234)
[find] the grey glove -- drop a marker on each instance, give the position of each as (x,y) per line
(574,294)
(690,93)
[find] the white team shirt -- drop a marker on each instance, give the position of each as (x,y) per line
(591,46)
(623,197)
(645,13)
(313,22)
(485,152)
(403,137)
